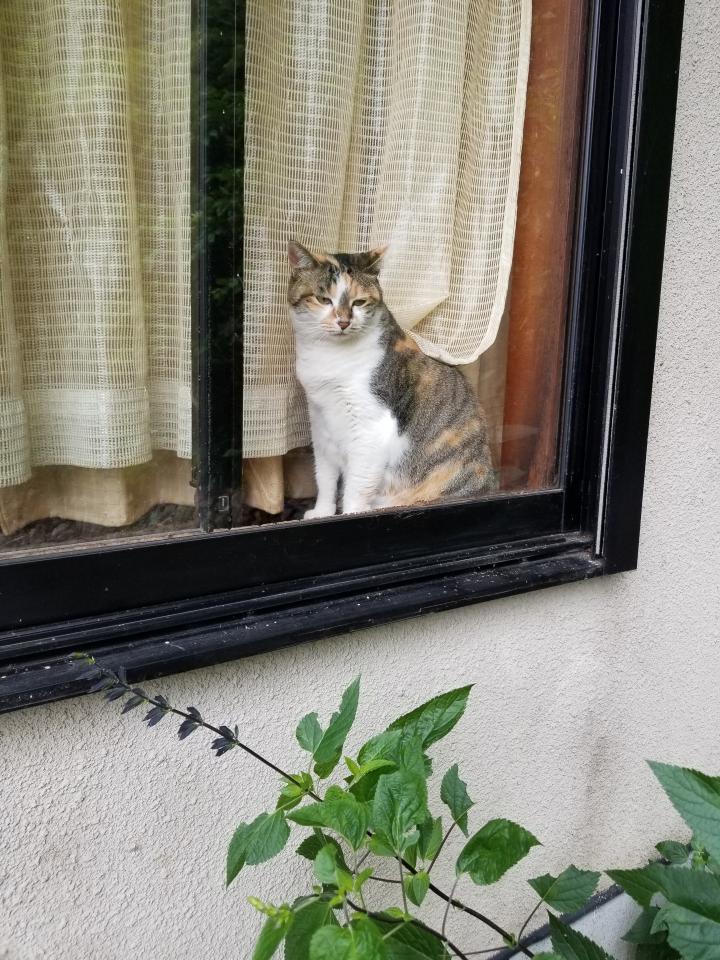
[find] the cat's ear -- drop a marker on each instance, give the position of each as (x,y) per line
(372,260)
(299,257)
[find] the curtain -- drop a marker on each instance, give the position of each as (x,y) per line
(94,234)
(379,122)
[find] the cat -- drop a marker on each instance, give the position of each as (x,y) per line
(397,427)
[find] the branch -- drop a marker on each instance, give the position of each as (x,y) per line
(442,844)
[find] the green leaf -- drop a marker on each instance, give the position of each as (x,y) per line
(325,865)
(292,793)
(416,887)
(311,846)
(329,750)
(572,945)
(309,733)
(656,951)
(400,804)
(310,917)
(641,883)
(567,892)
(453,793)
(673,851)
(385,746)
(490,853)
(271,936)
(256,842)
(693,889)
(435,719)
(430,839)
(339,811)
(380,847)
(547,956)
(641,930)
(409,941)
(696,797)
(694,935)
(370,767)
(362,941)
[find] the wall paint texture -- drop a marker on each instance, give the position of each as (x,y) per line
(113,837)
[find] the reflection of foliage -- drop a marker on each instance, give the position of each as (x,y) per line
(223,185)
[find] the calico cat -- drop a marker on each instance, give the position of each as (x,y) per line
(395,426)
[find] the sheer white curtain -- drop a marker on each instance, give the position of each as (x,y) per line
(94,233)
(374,122)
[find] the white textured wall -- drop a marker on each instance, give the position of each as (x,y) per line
(113,837)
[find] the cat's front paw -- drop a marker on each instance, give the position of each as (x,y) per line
(316,513)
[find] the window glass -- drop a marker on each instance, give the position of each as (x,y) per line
(441,147)
(95,290)
(435,145)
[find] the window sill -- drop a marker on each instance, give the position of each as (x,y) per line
(178,637)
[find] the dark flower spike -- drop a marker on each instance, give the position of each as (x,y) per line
(132,703)
(122,675)
(195,714)
(115,693)
(186,728)
(154,716)
(227,733)
(103,684)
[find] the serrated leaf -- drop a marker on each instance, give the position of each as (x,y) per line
(430,839)
(310,916)
(329,750)
(433,720)
(271,936)
(494,849)
(656,951)
(673,851)
(694,935)
(572,945)
(312,845)
(453,793)
(641,930)
(567,892)
(339,811)
(256,842)
(696,797)
(409,941)
(400,804)
(309,732)
(416,887)
(547,956)
(695,890)
(362,770)
(641,883)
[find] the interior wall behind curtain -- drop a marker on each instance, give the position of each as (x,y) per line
(380,122)
(94,233)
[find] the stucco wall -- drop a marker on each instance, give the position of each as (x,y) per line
(113,837)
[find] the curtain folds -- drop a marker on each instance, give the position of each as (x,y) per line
(94,233)
(380,122)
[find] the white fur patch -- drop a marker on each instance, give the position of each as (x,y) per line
(354,435)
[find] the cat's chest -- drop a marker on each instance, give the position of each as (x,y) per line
(338,378)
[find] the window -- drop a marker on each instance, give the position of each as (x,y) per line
(155,450)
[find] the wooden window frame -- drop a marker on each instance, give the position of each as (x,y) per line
(162,607)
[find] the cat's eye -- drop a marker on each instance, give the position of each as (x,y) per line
(325,300)
(359,303)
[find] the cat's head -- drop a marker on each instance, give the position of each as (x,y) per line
(334,294)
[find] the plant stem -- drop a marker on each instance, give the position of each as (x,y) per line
(449,904)
(439,850)
(532,914)
(208,726)
(402,885)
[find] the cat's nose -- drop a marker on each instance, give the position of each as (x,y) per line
(343,324)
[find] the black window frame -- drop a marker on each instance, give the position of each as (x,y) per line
(162,607)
